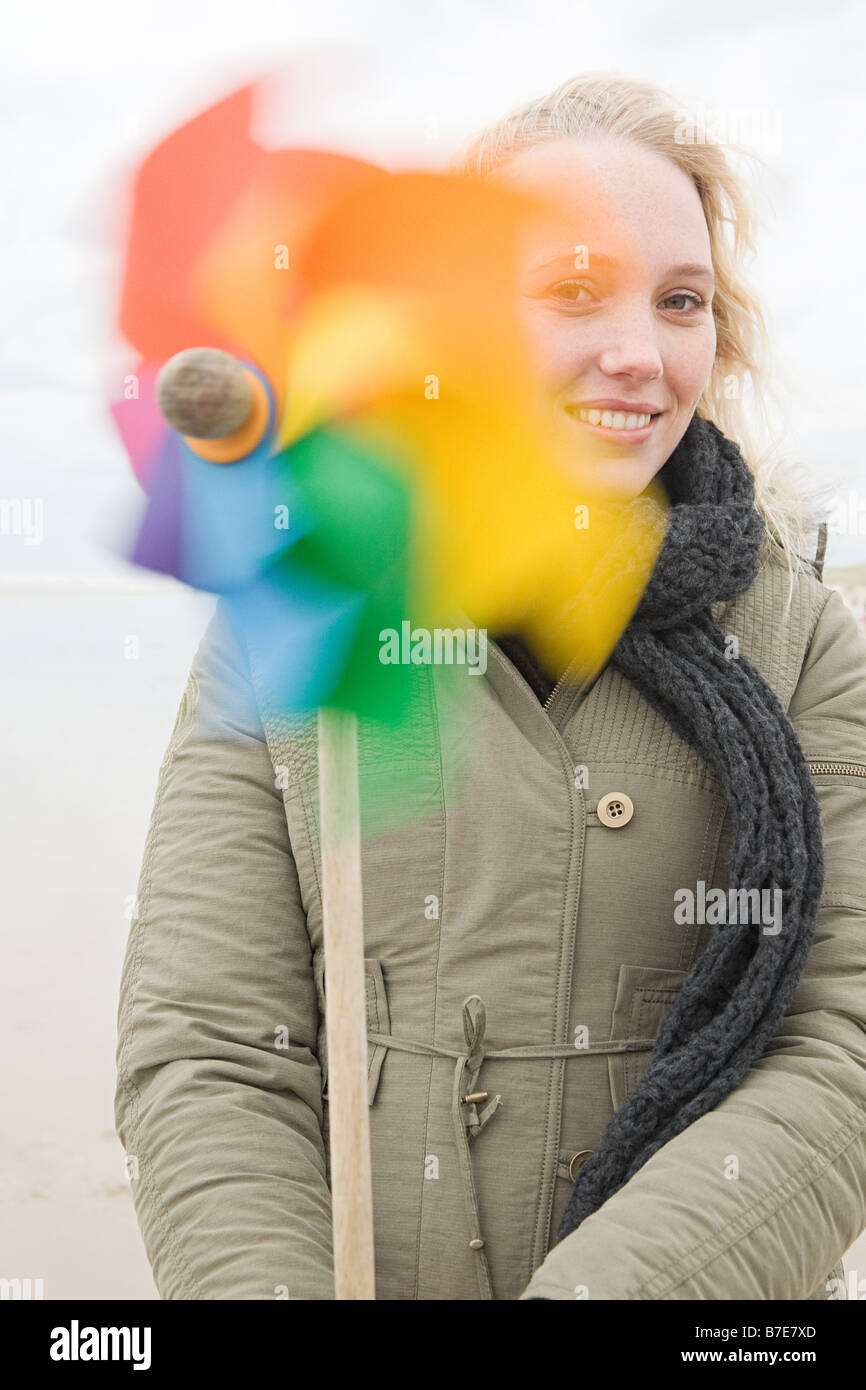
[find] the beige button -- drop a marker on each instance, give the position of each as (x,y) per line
(577,1160)
(476,1244)
(615,809)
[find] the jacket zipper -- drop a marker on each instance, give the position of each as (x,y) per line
(549,699)
(572,666)
(847,769)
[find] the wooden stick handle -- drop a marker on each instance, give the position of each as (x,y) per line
(345,1006)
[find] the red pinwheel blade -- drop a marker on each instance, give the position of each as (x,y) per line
(184,190)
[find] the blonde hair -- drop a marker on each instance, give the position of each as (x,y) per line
(606,103)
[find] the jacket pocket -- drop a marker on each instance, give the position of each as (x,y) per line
(644,996)
(828,767)
(378,1021)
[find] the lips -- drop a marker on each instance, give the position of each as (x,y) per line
(622,423)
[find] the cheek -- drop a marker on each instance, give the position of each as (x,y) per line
(688,360)
(557,352)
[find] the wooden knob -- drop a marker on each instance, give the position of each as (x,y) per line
(205,393)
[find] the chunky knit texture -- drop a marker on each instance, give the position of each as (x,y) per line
(675,654)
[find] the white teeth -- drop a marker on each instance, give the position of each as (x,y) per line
(610,420)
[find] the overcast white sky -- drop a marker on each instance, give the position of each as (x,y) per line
(88,86)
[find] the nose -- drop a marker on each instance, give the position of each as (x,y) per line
(629,344)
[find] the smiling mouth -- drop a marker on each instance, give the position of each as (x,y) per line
(613,419)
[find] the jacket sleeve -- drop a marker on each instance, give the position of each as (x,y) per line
(218,1102)
(684,1227)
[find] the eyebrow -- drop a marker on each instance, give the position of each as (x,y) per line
(611,263)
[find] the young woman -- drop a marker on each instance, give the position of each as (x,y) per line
(616,996)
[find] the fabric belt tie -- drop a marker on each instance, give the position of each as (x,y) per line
(468,1121)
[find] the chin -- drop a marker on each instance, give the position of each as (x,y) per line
(621,471)
(623,478)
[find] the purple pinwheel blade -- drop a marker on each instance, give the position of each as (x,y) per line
(158,545)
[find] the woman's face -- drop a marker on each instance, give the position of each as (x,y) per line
(615,291)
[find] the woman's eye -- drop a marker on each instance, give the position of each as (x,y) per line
(577,288)
(684,300)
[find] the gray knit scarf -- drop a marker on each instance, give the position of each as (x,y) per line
(674,653)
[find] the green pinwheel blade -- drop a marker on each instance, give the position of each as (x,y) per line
(357,517)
